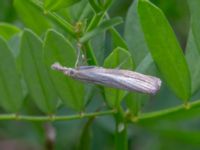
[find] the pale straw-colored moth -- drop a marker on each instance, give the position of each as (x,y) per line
(116,78)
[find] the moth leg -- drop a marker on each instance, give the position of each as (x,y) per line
(81,56)
(78,59)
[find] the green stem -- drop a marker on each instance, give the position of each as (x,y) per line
(121,141)
(95,21)
(91,59)
(54,118)
(169,112)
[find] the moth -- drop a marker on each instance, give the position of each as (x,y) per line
(115,78)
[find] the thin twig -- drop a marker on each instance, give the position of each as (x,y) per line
(165,113)
(54,118)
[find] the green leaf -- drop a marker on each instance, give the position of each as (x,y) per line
(54,17)
(8,30)
(59,49)
(134,36)
(11,96)
(138,48)
(195,20)
(36,74)
(118,58)
(97,18)
(118,41)
(133,102)
(132,99)
(79,12)
(32,16)
(107,4)
(99,5)
(193,60)
(184,136)
(101,28)
(86,135)
(165,49)
(147,66)
(14,44)
(99,43)
(58,4)
(95,6)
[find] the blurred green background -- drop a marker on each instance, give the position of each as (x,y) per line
(174,135)
(176,11)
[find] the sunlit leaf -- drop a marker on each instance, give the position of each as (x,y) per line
(165,49)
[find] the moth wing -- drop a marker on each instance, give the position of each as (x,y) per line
(86,67)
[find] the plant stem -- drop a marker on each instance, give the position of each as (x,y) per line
(54,118)
(121,141)
(90,56)
(141,118)
(169,112)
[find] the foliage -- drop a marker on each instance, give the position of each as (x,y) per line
(139,38)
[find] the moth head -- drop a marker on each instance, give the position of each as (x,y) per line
(70,72)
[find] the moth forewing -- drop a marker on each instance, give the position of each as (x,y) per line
(116,78)
(122,79)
